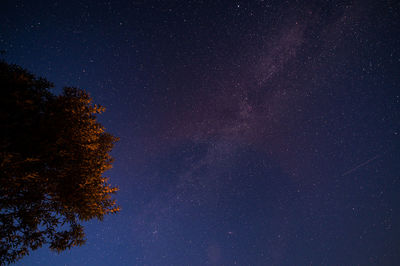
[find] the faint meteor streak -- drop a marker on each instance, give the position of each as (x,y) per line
(362,164)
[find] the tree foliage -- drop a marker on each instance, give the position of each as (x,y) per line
(53,154)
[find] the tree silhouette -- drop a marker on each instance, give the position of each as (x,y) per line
(53,154)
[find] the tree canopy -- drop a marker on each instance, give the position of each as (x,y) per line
(53,153)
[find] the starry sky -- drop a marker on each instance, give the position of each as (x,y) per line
(251,132)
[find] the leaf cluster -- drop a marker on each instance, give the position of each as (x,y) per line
(53,153)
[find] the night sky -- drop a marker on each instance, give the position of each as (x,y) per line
(251,132)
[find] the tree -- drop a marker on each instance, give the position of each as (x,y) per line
(53,154)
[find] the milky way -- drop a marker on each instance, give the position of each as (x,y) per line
(252,133)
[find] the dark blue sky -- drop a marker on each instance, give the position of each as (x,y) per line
(252,132)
